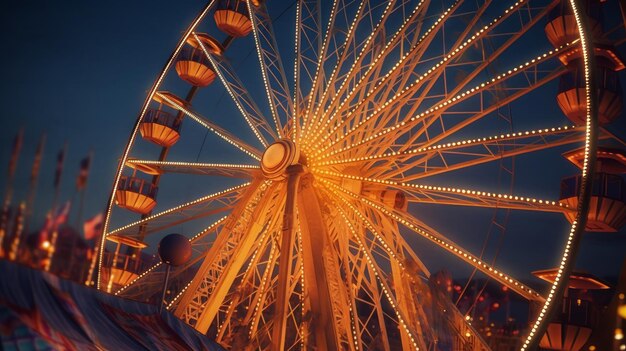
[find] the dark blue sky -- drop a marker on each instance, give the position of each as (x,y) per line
(79,71)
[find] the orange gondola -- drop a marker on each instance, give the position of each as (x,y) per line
(607,207)
(194,67)
(135,194)
(571,96)
(562,29)
(160,127)
(232,17)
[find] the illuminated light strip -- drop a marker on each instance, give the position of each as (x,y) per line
(448,246)
(261,288)
(260,243)
(195,237)
(345,45)
(383,284)
(137,278)
(441,106)
(120,169)
(296,75)
(191,203)
(383,52)
(573,238)
(320,67)
(302,287)
(373,64)
(182,291)
(369,226)
(210,228)
(230,92)
(270,99)
(444,189)
(450,56)
(452,145)
(387,247)
(397,64)
(191,240)
(250,152)
(191,164)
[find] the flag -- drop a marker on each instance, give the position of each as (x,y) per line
(59,170)
(92,228)
(81,181)
(46,230)
(53,222)
(62,215)
(37,161)
(17,147)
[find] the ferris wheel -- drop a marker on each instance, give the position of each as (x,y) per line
(328,160)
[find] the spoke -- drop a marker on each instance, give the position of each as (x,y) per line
(210,169)
(349,43)
(403,67)
(431,74)
(239,95)
(576,136)
(490,142)
(420,228)
(406,328)
(253,316)
(272,70)
(483,67)
(250,283)
(308,45)
(201,207)
(393,132)
(201,302)
(319,67)
(388,247)
(433,194)
(192,240)
(437,159)
(389,108)
(412,56)
(220,132)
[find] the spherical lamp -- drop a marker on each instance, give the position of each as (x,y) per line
(174,250)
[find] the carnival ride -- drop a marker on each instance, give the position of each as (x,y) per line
(381,112)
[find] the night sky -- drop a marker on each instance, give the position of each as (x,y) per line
(79,71)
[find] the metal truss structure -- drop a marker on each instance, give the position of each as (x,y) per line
(377,107)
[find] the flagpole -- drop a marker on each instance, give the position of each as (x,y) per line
(94,232)
(81,185)
(57,190)
(34,179)
(18,231)
(4,216)
(57,175)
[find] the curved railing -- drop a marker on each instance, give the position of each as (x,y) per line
(163,118)
(137,185)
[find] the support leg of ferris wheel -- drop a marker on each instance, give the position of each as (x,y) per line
(286,255)
(318,285)
(202,300)
(406,299)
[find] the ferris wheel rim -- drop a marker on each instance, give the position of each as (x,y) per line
(590,145)
(133,134)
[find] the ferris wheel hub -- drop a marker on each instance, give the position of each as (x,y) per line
(278,156)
